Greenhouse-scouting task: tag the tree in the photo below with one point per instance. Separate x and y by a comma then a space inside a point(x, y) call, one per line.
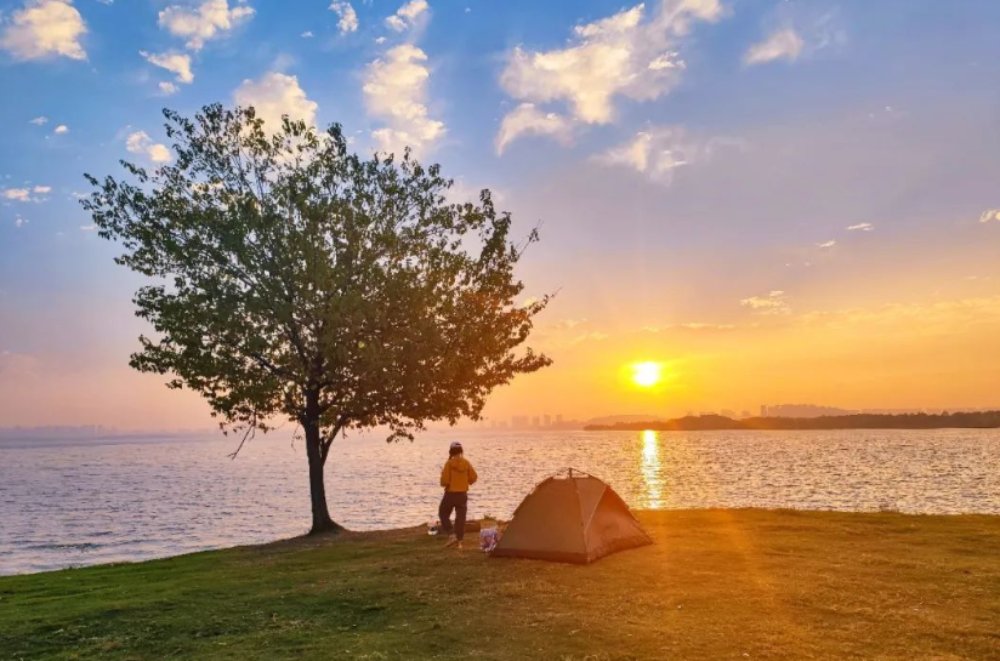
point(292, 279)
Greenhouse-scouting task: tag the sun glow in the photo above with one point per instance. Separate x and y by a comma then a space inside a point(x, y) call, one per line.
point(646, 374)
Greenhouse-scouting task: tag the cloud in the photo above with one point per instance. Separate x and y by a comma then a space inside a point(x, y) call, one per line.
point(527, 119)
point(276, 94)
point(140, 143)
point(655, 153)
point(45, 28)
point(348, 17)
point(20, 222)
point(16, 194)
point(168, 88)
point(863, 227)
point(624, 55)
point(88, 228)
point(27, 194)
point(659, 151)
point(827, 244)
point(407, 15)
point(61, 129)
point(395, 90)
point(204, 22)
point(784, 44)
point(307, 34)
point(176, 63)
point(990, 215)
point(39, 121)
point(773, 303)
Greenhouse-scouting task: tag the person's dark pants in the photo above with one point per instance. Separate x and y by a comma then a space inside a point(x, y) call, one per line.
point(458, 501)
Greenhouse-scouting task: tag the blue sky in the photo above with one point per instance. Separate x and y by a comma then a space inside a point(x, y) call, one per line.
point(686, 160)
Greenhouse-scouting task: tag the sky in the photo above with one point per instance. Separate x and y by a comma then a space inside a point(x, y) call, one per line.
point(778, 202)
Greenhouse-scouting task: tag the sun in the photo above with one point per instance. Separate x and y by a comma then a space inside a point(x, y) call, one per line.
point(646, 374)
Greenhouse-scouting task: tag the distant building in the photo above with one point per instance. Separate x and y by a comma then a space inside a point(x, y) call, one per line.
point(548, 420)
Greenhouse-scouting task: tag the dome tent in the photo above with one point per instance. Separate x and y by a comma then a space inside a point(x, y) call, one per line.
point(571, 517)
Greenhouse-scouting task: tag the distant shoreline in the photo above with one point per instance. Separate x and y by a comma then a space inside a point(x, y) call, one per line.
point(961, 420)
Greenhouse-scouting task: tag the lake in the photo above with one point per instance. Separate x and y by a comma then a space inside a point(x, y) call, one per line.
point(72, 503)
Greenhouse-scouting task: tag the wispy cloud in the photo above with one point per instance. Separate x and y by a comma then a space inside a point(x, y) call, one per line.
point(826, 244)
point(773, 303)
point(860, 227)
point(62, 129)
point(657, 152)
point(39, 121)
point(783, 44)
point(527, 119)
point(990, 215)
point(45, 28)
point(26, 194)
point(177, 63)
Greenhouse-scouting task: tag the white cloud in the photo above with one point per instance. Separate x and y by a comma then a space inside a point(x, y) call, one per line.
point(276, 94)
point(140, 143)
point(61, 129)
point(862, 227)
point(39, 121)
point(19, 222)
point(44, 28)
point(827, 244)
point(659, 151)
point(88, 228)
point(395, 90)
point(16, 194)
point(990, 215)
point(168, 88)
point(624, 55)
point(784, 44)
point(204, 22)
point(42, 190)
point(773, 303)
point(527, 119)
point(656, 153)
point(407, 15)
point(176, 63)
point(307, 34)
point(348, 17)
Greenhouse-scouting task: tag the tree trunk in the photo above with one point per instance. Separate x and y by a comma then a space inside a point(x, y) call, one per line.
point(321, 521)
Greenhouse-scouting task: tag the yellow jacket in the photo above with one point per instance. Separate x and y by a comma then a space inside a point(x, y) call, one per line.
point(458, 474)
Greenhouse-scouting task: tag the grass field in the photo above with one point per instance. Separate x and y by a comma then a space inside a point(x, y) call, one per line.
point(719, 584)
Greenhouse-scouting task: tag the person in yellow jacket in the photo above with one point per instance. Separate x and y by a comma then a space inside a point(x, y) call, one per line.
point(456, 478)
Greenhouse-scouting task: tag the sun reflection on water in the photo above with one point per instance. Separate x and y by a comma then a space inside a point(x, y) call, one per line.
point(651, 475)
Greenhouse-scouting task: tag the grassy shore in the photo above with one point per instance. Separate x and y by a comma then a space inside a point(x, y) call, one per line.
point(717, 584)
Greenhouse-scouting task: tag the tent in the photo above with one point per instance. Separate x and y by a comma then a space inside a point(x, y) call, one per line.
point(571, 517)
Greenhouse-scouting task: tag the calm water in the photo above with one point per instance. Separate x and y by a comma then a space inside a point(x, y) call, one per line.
point(79, 503)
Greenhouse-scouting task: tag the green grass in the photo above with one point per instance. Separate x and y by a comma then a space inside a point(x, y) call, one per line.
point(717, 584)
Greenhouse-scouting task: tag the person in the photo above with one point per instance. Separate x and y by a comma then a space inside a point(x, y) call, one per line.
point(456, 478)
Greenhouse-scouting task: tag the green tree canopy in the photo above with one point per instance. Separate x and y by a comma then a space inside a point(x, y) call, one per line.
point(291, 279)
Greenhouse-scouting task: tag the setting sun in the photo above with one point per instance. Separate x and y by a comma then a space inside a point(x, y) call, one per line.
point(646, 375)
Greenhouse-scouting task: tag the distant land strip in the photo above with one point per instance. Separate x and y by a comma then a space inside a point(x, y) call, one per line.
point(959, 420)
